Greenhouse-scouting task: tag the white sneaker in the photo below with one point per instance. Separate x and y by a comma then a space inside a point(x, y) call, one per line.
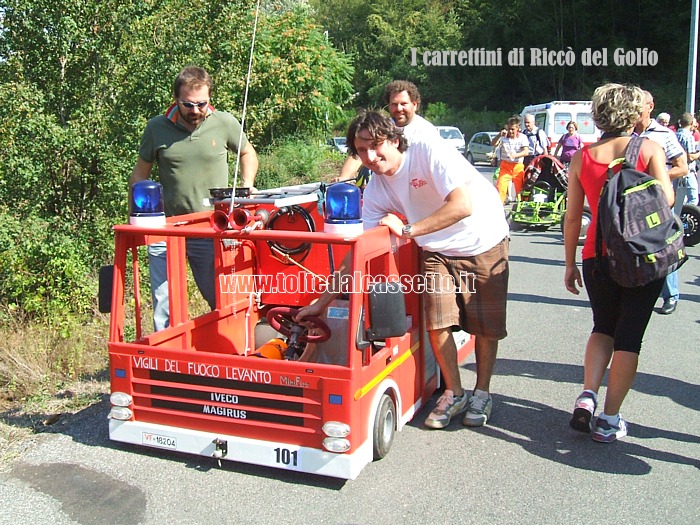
point(478, 412)
point(606, 432)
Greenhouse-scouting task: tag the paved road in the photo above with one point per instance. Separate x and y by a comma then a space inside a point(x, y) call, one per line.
point(525, 467)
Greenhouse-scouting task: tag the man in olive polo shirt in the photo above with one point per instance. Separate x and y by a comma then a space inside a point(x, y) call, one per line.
point(191, 144)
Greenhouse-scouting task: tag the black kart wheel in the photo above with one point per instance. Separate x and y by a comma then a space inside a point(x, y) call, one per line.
point(586, 221)
point(513, 225)
point(690, 217)
point(384, 427)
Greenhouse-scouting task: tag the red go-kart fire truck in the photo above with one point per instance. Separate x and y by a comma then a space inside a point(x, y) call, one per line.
point(244, 382)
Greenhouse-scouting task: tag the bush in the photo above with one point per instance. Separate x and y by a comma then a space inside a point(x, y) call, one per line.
point(342, 122)
point(467, 120)
point(45, 269)
point(296, 161)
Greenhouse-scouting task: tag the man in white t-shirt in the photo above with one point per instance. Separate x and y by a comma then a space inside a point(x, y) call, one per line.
point(403, 100)
point(456, 216)
point(677, 167)
point(538, 141)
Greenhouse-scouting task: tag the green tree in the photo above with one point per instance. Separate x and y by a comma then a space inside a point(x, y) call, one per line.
point(380, 36)
point(82, 77)
point(58, 58)
point(297, 82)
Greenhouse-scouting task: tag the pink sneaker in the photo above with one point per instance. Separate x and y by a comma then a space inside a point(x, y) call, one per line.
point(447, 407)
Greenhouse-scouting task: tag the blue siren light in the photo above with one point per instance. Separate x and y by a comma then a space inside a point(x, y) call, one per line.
point(147, 204)
point(343, 209)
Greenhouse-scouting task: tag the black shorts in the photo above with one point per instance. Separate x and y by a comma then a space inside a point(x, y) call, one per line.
point(619, 312)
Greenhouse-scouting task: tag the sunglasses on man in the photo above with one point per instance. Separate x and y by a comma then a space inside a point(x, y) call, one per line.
point(192, 105)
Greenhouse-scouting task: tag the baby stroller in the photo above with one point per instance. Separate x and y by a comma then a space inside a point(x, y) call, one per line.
point(542, 201)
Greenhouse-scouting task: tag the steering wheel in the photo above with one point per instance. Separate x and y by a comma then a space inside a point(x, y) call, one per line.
point(281, 319)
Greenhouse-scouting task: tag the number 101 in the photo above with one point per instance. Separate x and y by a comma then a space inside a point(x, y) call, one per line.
point(286, 456)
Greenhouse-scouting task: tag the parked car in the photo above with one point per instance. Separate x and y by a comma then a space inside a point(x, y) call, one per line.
point(452, 135)
point(479, 148)
point(338, 144)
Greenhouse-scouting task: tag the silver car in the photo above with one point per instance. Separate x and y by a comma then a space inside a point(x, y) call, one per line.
point(479, 148)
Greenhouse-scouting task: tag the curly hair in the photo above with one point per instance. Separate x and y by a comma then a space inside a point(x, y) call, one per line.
point(192, 77)
point(380, 128)
point(617, 107)
point(397, 86)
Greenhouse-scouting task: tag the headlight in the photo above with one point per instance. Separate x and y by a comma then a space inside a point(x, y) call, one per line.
point(120, 399)
point(334, 444)
point(336, 429)
point(121, 413)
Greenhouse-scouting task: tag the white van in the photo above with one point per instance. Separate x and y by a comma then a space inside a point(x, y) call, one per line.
point(553, 117)
point(454, 136)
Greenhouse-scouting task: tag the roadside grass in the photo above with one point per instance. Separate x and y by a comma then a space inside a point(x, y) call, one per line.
point(47, 372)
point(36, 357)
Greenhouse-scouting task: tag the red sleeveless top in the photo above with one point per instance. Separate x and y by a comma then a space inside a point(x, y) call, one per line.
point(593, 176)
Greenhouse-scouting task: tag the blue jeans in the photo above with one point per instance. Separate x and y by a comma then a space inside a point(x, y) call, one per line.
point(670, 289)
point(200, 255)
point(691, 188)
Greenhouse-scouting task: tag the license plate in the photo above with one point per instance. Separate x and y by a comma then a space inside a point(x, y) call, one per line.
point(156, 440)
